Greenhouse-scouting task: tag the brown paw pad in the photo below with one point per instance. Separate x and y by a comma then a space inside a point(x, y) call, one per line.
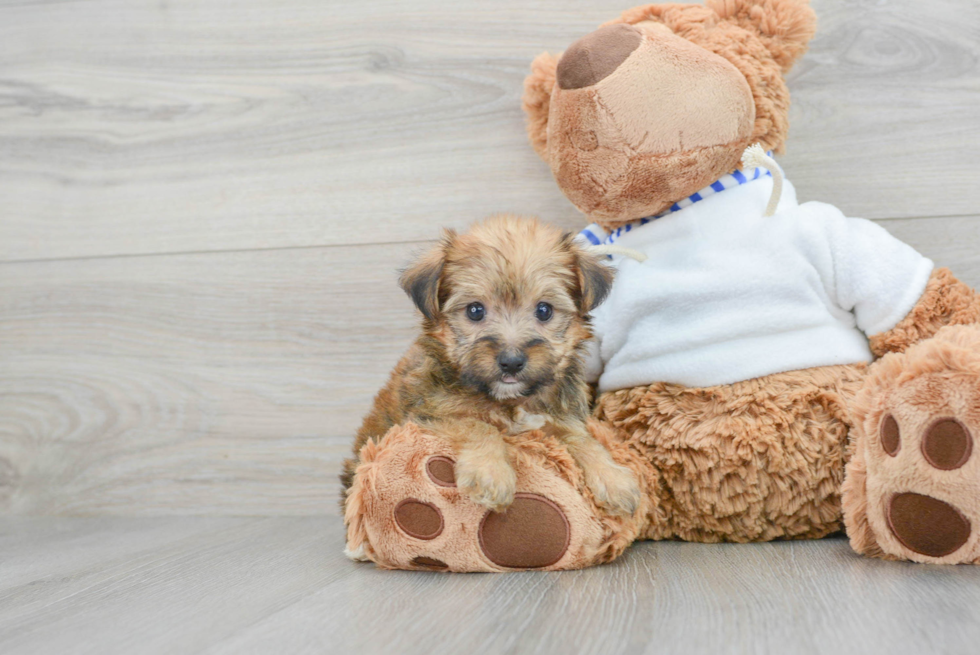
point(891, 438)
point(926, 525)
point(532, 533)
point(596, 56)
point(947, 444)
point(418, 519)
point(442, 471)
point(429, 563)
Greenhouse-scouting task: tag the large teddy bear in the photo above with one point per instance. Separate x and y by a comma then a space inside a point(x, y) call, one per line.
point(768, 369)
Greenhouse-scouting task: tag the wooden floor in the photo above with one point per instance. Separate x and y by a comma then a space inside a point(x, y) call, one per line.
point(280, 585)
point(203, 205)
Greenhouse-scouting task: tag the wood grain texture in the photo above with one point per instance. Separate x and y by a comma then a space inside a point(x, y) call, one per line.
point(204, 204)
point(280, 585)
point(222, 383)
point(160, 585)
point(187, 125)
point(949, 241)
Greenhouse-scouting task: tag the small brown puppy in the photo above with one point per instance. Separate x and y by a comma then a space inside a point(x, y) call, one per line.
point(505, 317)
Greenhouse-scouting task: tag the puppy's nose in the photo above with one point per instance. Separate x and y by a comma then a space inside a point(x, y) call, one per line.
point(511, 362)
point(595, 56)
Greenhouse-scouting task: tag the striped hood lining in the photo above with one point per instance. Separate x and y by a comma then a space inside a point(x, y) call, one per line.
point(597, 236)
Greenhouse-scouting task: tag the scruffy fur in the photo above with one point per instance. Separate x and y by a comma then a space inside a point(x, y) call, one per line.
point(451, 381)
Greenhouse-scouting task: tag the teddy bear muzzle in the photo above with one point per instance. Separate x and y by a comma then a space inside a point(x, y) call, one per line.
point(597, 55)
point(640, 117)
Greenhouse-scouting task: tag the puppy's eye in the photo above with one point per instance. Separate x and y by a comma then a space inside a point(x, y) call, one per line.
point(543, 312)
point(475, 311)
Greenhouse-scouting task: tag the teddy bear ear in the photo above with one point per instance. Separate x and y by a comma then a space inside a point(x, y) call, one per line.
point(537, 100)
point(785, 26)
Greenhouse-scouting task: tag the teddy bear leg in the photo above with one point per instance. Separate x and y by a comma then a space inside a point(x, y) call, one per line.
point(912, 486)
point(404, 511)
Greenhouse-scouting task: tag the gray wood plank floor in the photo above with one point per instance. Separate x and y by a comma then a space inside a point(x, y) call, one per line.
point(281, 585)
point(200, 125)
point(205, 204)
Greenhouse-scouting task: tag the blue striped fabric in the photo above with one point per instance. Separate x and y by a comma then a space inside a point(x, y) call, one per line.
point(597, 236)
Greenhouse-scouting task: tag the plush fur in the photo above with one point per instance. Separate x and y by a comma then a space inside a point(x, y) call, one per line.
point(394, 469)
point(758, 460)
point(752, 461)
point(453, 381)
point(946, 301)
point(937, 378)
point(886, 450)
point(537, 100)
point(762, 52)
point(605, 143)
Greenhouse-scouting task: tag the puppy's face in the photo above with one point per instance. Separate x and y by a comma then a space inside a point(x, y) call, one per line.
point(508, 301)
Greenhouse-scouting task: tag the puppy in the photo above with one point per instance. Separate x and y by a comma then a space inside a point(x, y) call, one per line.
point(505, 317)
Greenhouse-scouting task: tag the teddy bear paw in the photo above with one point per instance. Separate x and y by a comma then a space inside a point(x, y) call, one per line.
point(912, 489)
point(926, 488)
point(408, 509)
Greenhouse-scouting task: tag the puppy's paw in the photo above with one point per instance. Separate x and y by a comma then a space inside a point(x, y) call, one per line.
point(491, 483)
point(615, 488)
point(524, 422)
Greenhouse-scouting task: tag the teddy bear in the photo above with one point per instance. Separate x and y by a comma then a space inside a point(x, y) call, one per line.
point(768, 369)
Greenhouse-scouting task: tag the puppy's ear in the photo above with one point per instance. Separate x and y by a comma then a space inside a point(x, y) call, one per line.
point(594, 278)
point(421, 280)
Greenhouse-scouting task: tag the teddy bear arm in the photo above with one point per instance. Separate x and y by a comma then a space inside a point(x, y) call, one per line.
point(945, 301)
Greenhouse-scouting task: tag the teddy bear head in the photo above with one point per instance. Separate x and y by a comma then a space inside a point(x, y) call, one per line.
point(660, 103)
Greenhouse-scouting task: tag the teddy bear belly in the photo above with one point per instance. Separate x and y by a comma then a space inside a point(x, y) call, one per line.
point(752, 461)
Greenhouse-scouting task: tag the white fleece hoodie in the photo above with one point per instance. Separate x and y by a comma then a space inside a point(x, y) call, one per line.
point(727, 294)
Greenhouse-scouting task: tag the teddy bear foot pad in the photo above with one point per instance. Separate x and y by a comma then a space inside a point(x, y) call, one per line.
point(922, 466)
point(405, 512)
point(532, 533)
point(922, 523)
